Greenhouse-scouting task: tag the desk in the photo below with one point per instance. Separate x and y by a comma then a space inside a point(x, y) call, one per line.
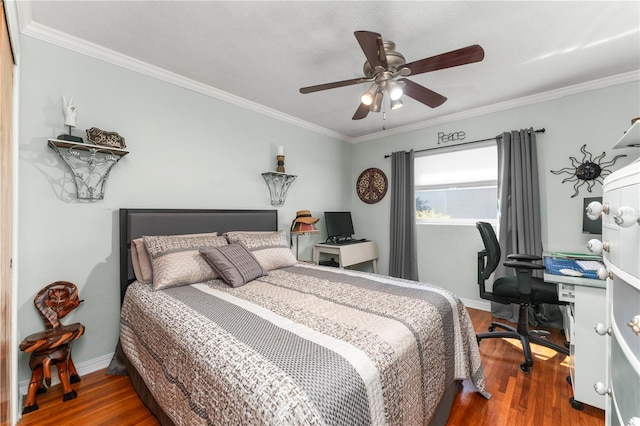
point(349, 254)
point(587, 308)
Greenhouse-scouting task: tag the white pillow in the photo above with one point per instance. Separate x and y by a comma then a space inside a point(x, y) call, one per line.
point(176, 259)
point(270, 248)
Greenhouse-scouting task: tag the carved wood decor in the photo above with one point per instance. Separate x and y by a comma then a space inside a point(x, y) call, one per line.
point(53, 346)
point(371, 185)
point(103, 138)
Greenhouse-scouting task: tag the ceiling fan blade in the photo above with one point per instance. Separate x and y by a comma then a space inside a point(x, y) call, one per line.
point(422, 94)
point(466, 55)
point(373, 48)
point(335, 84)
point(361, 112)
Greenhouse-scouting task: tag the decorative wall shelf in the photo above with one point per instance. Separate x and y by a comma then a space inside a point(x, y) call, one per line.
point(631, 138)
point(278, 184)
point(90, 165)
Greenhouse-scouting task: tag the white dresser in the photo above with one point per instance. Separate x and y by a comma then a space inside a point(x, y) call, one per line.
point(621, 236)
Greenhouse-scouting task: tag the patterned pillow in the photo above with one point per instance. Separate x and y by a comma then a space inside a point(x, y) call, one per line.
point(234, 263)
point(141, 261)
point(176, 259)
point(271, 249)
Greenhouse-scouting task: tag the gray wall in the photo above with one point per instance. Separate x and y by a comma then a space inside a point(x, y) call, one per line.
point(192, 151)
point(186, 151)
point(447, 254)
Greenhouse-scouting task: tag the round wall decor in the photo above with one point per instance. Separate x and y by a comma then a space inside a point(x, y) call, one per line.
point(371, 185)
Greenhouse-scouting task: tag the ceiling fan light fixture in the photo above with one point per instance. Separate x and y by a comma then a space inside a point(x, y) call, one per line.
point(368, 97)
point(395, 91)
point(377, 102)
point(387, 69)
point(396, 103)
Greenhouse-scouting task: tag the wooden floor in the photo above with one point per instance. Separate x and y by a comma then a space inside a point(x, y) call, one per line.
point(539, 398)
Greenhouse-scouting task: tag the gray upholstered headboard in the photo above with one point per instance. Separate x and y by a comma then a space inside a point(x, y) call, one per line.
point(134, 223)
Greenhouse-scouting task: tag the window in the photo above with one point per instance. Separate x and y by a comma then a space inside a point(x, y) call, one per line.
point(457, 185)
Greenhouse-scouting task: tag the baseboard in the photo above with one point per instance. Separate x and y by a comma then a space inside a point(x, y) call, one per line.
point(482, 305)
point(82, 368)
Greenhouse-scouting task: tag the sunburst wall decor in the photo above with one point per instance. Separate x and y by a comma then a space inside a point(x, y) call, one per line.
point(590, 170)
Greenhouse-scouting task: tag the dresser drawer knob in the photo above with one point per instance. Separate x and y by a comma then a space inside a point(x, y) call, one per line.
point(602, 329)
point(626, 217)
point(603, 274)
point(596, 246)
point(635, 325)
point(595, 209)
point(602, 389)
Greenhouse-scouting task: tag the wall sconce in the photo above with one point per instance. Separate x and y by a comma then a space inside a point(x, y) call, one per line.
point(278, 182)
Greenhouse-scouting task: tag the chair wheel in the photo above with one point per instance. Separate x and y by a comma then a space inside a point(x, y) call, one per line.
point(525, 367)
point(491, 328)
point(576, 404)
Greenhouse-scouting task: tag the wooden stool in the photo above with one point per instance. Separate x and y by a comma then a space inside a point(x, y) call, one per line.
point(53, 346)
point(48, 347)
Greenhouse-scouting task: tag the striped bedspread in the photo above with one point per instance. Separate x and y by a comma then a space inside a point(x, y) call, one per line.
point(305, 345)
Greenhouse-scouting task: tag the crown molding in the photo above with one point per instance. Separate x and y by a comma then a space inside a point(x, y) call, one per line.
point(506, 105)
point(59, 38)
point(84, 47)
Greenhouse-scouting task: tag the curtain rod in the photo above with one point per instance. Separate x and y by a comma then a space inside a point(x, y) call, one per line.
point(465, 143)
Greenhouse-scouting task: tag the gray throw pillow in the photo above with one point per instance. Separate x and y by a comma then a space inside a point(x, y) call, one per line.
point(234, 263)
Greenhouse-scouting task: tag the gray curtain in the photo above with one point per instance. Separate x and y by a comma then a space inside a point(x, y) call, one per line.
point(403, 257)
point(519, 229)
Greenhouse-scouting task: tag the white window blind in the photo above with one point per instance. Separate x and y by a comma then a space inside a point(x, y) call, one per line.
point(457, 185)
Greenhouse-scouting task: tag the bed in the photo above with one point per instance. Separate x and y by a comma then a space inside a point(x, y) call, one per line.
point(267, 340)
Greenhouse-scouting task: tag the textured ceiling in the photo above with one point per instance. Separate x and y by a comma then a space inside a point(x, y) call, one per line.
point(263, 52)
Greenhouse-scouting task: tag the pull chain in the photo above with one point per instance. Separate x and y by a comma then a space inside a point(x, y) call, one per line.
point(384, 117)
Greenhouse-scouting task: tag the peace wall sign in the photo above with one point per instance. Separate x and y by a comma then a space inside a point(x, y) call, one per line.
point(371, 185)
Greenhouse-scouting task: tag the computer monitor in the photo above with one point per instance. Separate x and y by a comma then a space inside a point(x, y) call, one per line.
point(591, 226)
point(339, 224)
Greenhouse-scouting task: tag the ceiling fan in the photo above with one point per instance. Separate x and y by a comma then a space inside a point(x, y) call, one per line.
point(386, 68)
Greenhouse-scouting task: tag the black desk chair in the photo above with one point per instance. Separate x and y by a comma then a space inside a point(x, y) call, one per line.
point(523, 289)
